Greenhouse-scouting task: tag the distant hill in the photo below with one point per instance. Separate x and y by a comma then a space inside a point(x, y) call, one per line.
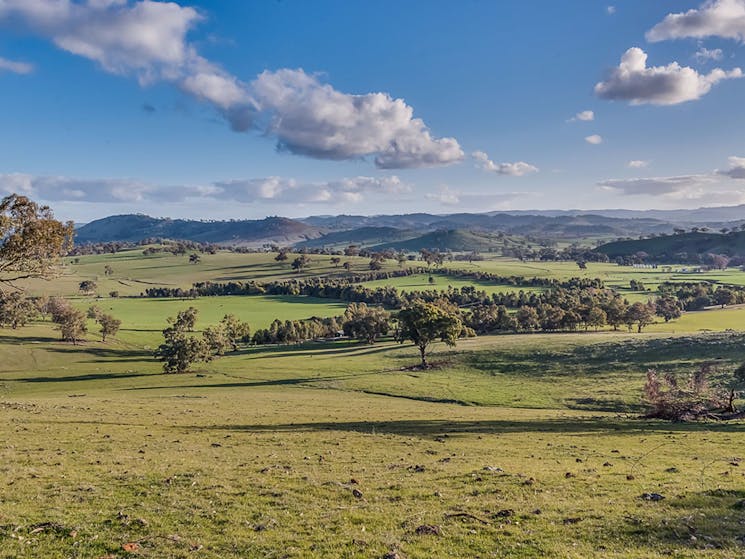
point(563, 226)
point(135, 227)
point(672, 247)
point(363, 236)
point(456, 240)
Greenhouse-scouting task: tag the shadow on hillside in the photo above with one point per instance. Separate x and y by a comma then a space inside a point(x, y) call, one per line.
point(21, 340)
point(435, 428)
point(668, 354)
point(91, 376)
point(246, 383)
point(317, 350)
point(101, 354)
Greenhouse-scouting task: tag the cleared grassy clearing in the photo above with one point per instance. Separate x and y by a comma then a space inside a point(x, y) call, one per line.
point(255, 456)
point(512, 446)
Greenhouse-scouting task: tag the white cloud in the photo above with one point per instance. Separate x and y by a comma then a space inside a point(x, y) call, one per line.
point(275, 190)
point(594, 139)
point(703, 55)
point(714, 18)
point(638, 164)
point(148, 40)
point(584, 116)
point(633, 81)
point(312, 118)
point(610, 10)
point(15, 66)
point(289, 191)
point(516, 169)
point(655, 186)
point(736, 168)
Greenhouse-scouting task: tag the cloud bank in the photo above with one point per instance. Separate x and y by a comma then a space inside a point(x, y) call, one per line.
point(275, 190)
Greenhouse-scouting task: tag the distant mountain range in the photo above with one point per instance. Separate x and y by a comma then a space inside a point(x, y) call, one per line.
point(460, 231)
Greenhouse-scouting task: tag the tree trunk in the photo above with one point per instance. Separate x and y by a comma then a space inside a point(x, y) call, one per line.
point(422, 352)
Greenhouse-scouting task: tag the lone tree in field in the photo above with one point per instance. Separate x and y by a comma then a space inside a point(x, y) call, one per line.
point(109, 325)
point(180, 350)
point(31, 240)
point(281, 256)
point(194, 258)
point(72, 325)
point(366, 323)
point(425, 323)
point(300, 263)
point(87, 286)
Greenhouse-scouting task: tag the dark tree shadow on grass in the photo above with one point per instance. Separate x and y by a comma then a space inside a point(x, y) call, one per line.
point(435, 428)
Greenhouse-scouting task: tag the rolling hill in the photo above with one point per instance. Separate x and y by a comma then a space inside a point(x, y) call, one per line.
point(680, 247)
point(135, 227)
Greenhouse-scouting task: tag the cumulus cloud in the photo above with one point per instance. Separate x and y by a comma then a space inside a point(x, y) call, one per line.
point(584, 116)
point(15, 66)
point(714, 18)
point(516, 169)
point(594, 139)
point(277, 190)
point(736, 168)
point(637, 164)
point(610, 10)
point(703, 55)
point(312, 118)
point(639, 84)
point(149, 40)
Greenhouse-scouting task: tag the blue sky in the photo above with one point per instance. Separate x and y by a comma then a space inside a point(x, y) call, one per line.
point(238, 109)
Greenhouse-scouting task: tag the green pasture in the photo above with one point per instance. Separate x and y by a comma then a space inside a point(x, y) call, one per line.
point(511, 446)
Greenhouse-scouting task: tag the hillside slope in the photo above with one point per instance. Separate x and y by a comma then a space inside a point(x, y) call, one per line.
point(679, 247)
point(137, 227)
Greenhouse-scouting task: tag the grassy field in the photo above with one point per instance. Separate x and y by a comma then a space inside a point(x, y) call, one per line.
point(519, 446)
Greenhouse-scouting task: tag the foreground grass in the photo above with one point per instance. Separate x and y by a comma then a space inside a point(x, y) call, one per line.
point(259, 454)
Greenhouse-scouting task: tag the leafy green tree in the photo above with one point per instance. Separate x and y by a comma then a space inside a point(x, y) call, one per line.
point(180, 350)
point(15, 309)
point(335, 260)
point(87, 286)
point(425, 323)
point(724, 297)
point(300, 263)
point(194, 258)
point(527, 318)
point(596, 318)
point(668, 308)
point(186, 319)
point(366, 323)
point(31, 240)
point(640, 314)
point(72, 325)
point(235, 330)
point(109, 326)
